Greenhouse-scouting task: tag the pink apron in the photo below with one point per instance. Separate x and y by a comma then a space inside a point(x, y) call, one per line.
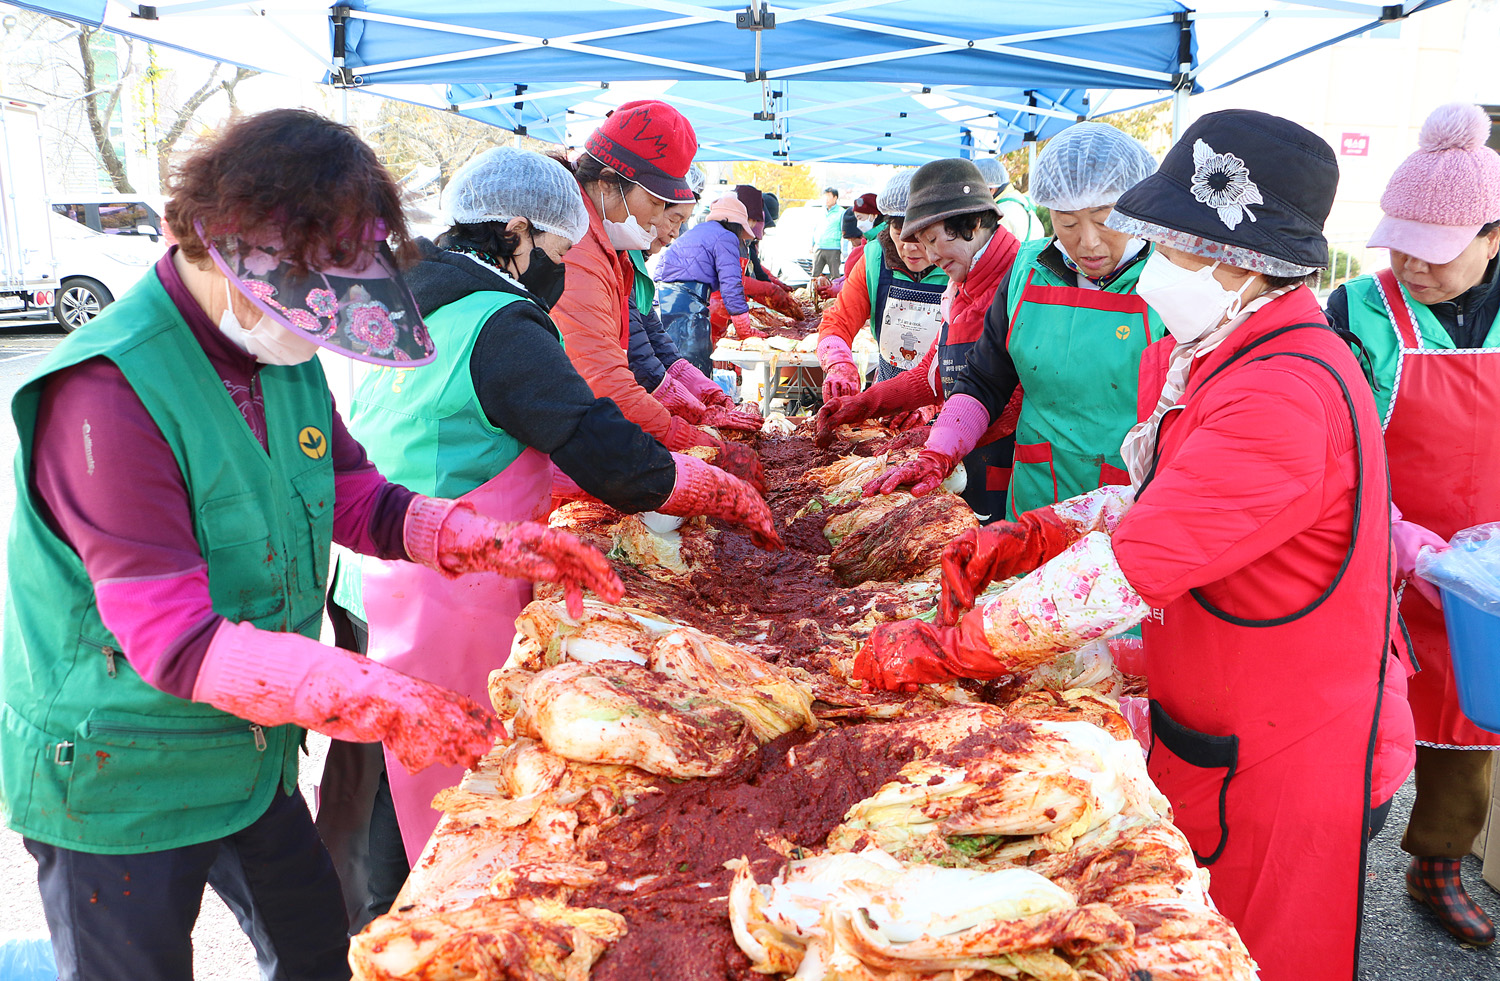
point(451, 632)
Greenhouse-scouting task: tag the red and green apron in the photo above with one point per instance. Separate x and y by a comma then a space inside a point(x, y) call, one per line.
point(1077, 353)
point(1444, 452)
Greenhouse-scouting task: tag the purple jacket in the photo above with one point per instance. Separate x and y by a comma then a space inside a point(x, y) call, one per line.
point(707, 253)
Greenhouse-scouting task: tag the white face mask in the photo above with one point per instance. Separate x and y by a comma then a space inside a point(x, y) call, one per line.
point(628, 235)
point(1190, 302)
point(865, 224)
point(267, 341)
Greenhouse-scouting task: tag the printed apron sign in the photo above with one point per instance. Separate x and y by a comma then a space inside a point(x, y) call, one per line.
point(908, 326)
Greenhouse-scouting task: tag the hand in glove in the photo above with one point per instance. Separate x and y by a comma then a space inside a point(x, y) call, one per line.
point(924, 474)
point(698, 384)
point(1009, 548)
point(742, 462)
point(741, 419)
point(1409, 538)
point(703, 489)
point(902, 421)
point(908, 390)
point(840, 377)
point(902, 655)
point(451, 537)
point(273, 679)
point(676, 399)
point(744, 326)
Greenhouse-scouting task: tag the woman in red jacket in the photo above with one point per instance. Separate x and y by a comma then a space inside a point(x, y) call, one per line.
point(1257, 550)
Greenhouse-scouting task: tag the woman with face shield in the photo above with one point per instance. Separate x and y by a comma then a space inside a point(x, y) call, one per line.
point(633, 167)
point(1441, 296)
point(895, 291)
point(1256, 550)
point(181, 478)
point(1068, 321)
point(493, 419)
point(951, 215)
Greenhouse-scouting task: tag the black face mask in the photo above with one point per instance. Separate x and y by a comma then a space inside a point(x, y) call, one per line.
point(543, 278)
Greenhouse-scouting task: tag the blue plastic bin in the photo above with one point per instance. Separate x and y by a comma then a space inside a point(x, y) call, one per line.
point(1474, 639)
point(27, 959)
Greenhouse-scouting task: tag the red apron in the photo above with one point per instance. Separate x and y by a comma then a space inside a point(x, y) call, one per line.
point(1444, 454)
point(1265, 731)
point(451, 632)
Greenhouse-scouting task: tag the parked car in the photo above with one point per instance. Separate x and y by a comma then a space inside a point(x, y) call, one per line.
point(787, 248)
point(95, 267)
point(113, 214)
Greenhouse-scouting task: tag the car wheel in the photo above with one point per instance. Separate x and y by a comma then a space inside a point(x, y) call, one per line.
point(79, 300)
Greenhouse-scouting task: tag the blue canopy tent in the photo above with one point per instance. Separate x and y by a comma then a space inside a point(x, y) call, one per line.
point(873, 81)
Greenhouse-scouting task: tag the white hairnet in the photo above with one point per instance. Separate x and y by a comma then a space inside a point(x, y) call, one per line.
point(995, 174)
point(696, 180)
point(892, 198)
point(506, 182)
point(1088, 165)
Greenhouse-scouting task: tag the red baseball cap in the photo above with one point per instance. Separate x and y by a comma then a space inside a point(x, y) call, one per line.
point(648, 143)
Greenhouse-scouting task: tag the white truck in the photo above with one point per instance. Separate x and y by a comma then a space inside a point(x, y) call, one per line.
point(28, 264)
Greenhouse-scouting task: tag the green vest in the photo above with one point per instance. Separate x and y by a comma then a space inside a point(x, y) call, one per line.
point(874, 262)
point(1079, 367)
point(1034, 229)
point(645, 286)
point(1371, 323)
point(93, 758)
point(424, 427)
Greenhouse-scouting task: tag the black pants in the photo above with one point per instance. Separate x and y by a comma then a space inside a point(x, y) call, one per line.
point(130, 917)
point(356, 815)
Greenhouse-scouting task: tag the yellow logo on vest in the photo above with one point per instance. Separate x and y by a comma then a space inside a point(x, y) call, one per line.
point(313, 442)
point(1122, 331)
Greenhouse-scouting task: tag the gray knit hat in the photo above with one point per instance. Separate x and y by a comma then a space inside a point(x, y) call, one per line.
point(942, 189)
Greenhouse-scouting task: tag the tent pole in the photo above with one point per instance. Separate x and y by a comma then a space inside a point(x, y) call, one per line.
point(1030, 162)
point(1179, 112)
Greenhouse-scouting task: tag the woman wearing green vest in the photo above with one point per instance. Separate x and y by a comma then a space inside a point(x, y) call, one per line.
point(181, 477)
point(1067, 327)
point(1430, 326)
point(894, 290)
point(495, 419)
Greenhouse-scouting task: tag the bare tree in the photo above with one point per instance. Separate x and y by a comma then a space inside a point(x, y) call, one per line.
point(409, 137)
point(167, 143)
point(100, 104)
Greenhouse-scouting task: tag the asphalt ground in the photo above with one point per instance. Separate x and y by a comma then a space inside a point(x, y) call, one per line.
point(1402, 941)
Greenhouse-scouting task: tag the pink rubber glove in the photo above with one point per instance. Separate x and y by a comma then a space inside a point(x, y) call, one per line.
point(1137, 712)
point(705, 489)
point(840, 377)
point(1409, 538)
point(676, 399)
point(699, 385)
point(454, 539)
point(954, 435)
point(273, 679)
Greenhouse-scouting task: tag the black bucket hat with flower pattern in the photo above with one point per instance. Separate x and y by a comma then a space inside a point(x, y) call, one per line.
point(365, 312)
point(1240, 187)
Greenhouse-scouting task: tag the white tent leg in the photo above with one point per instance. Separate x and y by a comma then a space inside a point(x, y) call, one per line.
point(1030, 163)
point(1179, 112)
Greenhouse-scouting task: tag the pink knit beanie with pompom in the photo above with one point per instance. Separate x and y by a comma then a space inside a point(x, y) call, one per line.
point(1440, 196)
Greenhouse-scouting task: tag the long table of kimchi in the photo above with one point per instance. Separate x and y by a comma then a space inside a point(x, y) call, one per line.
point(696, 790)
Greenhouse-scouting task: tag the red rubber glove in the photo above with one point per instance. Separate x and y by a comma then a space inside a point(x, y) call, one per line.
point(902, 421)
point(453, 538)
point(273, 678)
point(908, 390)
point(1011, 548)
point(740, 419)
point(742, 462)
point(902, 655)
point(840, 379)
point(676, 399)
point(681, 435)
point(744, 326)
point(924, 474)
point(703, 489)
